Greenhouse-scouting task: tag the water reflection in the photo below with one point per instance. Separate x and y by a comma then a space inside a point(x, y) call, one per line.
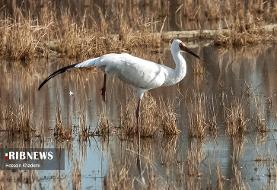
point(179, 162)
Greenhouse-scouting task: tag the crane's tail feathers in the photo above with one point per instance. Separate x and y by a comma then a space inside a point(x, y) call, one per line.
point(60, 71)
point(87, 63)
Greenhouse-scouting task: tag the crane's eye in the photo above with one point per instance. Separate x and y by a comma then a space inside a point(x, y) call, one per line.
point(181, 45)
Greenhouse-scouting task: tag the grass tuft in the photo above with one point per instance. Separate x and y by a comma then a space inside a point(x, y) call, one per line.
point(155, 116)
point(61, 132)
point(235, 118)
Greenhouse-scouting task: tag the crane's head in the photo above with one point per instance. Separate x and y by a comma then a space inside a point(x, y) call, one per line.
point(177, 45)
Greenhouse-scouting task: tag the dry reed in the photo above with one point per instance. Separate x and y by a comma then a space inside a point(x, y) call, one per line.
point(17, 121)
point(45, 29)
point(259, 116)
point(84, 130)
point(153, 116)
point(198, 69)
point(148, 117)
point(237, 39)
point(237, 182)
point(76, 176)
point(197, 116)
point(118, 178)
point(235, 118)
point(61, 132)
point(195, 156)
point(103, 126)
point(220, 178)
point(169, 151)
point(168, 118)
point(25, 37)
point(238, 147)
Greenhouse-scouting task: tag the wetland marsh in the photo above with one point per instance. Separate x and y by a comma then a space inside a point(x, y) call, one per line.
point(216, 129)
point(237, 88)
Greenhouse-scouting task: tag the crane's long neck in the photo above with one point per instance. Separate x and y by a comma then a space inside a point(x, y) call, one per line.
point(180, 70)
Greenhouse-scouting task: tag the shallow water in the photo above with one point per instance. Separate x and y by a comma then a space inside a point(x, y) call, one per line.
point(247, 75)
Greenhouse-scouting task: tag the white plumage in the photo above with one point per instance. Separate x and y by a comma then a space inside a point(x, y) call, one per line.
point(142, 74)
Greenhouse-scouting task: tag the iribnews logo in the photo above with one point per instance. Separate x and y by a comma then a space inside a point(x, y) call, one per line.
point(25, 155)
point(32, 158)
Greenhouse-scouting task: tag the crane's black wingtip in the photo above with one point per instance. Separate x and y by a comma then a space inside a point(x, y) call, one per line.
point(46, 80)
point(41, 85)
point(61, 70)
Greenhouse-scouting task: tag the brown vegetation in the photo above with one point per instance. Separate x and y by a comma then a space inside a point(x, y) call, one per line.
point(235, 118)
point(84, 130)
point(61, 132)
point(194, 158)
point(25, 36)
point(17, 121)
point(155, 116)
point(197, 116)
point(220, 178)
point(52, 29)
point(238, 37)
point(260, 123)
point(118, 178)
point(202, 115)
point(76, 175)
point(237, 181)
point(103, 127)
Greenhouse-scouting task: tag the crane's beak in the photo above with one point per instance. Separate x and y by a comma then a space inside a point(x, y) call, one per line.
point(184, 48)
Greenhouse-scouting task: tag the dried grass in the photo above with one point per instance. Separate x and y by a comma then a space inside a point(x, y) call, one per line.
point(25, 37)
point(259, 117)
point(237, 39)
point(235, 118)
point(76, 176)
point(22, 39)
point(46, 29)
point(61, 132)
point(238, 147)
point(118, 178)
point(17, 121)
point(85, 131)
point(148, 117)
point(237, 182)
point(153, 116)
point(168, 118)
point(103, 128)
point(197, 116)
point(198, 69)
point(220, 178)
point(169, 151)
point(194, 158)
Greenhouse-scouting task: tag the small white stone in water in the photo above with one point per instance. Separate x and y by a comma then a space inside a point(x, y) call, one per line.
point(71, 93)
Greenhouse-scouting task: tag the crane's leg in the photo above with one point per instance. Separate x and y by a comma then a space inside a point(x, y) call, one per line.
point(138, 131)
point(103, 90)
point(138, 115)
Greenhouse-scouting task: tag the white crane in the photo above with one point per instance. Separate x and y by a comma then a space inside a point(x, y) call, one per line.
point(142, 74)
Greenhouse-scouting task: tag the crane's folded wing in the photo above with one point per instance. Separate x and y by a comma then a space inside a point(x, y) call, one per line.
point(135, 71)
